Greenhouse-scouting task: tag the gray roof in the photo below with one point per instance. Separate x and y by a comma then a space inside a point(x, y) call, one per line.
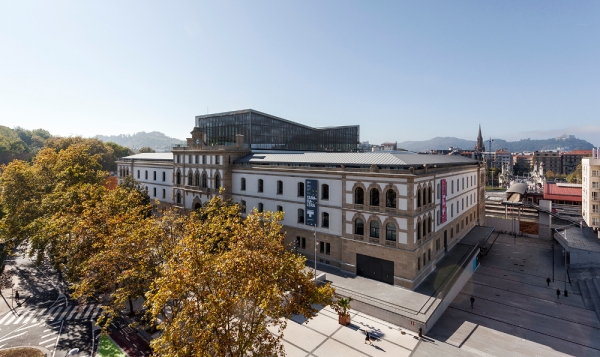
point(388, 158)
point(580, 238)
point(151, 156)
point(518, 188)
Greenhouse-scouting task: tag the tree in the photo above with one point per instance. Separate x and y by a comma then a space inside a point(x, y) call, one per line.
point(575, 176)
point(227, 280)
point(145, 149)
point(118, 152)
point(103, 153)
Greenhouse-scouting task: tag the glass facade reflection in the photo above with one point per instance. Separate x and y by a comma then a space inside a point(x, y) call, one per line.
point(263, 131)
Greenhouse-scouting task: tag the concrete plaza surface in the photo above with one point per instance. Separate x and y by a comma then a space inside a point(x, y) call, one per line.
point(515, 312)
point(324, 336)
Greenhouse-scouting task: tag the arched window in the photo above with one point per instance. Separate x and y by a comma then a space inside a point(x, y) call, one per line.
point(178, 178)
point(374, 229)
point(197, 179)
point(279, 187)
point(178, 198)
point(279, 208)
point(260, 185)
point(325, 220)
point(204, 180)
point(390, 198)
point(424, 227)
point(217, 182)
point(430, 194)
point(419, 197)
point(190, 178)
point(359, 227)
point(300, 189)
point(359, 196)
point(418, 230)
point(429, 225)
point(243, 184)
point(374, 197)
point(390, 232)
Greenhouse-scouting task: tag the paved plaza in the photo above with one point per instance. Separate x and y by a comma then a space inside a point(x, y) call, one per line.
point(515, 312)
point(323, 336)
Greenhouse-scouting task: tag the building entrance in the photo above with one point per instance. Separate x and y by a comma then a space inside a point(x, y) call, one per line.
point(375, 268)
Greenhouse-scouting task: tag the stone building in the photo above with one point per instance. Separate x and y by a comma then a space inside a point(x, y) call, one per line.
point(388, 216)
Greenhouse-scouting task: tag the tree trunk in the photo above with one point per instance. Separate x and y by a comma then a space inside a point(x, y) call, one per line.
point(131, 312)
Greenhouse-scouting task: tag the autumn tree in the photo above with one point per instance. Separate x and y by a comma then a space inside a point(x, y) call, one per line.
point(575, 176)
point(228, 283)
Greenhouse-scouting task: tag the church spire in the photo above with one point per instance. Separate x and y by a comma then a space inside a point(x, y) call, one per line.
point(479, 146)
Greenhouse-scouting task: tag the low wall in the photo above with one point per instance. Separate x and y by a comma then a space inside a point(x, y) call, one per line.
point(501, 224)
point(456, 288)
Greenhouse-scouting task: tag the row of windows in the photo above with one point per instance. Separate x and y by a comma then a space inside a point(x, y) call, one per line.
point(260, 208)
point(198, 180)
point(390, 229)
point(195, 159)
point(458, 185)
point(390, 197)
point(468, 200)
point(164, 175)
point(164, 192)
point(279, 188)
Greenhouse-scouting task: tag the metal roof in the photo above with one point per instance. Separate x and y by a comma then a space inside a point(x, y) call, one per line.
point(151, 156)
point(387, 158)
point(518, 188)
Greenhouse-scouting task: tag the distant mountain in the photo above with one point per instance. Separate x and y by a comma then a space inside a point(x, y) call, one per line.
point(438, 143)
point(155, 140)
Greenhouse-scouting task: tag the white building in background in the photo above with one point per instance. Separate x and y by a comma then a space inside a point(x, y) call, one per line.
point(590, 177)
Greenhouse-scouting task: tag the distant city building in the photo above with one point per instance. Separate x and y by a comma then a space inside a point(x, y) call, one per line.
point(522, 163)
point(570, 160)
point(550, 159)
point(389, 146)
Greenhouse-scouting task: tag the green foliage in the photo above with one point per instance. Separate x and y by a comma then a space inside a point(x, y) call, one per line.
point(575, 176)
point(145, 149)
point(342, 306)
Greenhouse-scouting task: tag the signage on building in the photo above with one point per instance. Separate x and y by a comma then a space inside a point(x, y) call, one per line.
point(443, 201)
point(311, 203)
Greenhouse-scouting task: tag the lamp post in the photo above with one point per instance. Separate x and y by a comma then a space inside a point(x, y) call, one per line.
point(552, 250)
point(315, 231)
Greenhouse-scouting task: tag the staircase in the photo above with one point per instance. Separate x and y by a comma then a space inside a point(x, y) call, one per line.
point(588, 284)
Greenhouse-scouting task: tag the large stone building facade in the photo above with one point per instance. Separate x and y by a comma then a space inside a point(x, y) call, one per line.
point(387, 216)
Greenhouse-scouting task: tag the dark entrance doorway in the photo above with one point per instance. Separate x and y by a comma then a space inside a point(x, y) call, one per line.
point(375, 268)
point(197, 206)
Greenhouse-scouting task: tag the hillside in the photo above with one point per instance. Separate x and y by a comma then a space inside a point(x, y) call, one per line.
point(156, 140)
point(440, 143)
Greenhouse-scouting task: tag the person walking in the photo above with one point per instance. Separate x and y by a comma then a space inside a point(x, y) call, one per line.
point(420, 332)
point(558, 293)
point(548, 281)
point(17, 295)
point(368, 337)
point(472, 301)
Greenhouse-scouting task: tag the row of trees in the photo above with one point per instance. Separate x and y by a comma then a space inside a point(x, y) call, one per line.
point(216, 283)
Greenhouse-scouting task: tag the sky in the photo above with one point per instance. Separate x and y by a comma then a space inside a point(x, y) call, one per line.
point(401, 70)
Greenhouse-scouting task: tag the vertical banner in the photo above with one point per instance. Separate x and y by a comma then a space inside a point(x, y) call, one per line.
point(311, 209)
point(443, 200)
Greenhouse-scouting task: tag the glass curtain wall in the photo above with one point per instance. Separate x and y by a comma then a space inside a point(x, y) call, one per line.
point(269, 133)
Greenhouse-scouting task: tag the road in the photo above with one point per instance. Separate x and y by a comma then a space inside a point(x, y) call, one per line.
point(45, 318)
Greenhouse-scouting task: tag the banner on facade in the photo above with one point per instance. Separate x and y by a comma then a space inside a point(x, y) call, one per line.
point(311, 209)
point(443, 182)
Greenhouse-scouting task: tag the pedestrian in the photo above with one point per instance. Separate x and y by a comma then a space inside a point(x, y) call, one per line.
point(420, 332)
point(17, 295)
point(368, 337)
point(472, 301)
point(558, 293)
point(548, 281)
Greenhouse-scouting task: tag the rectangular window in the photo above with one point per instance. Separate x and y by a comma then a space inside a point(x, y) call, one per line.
point(303, 243)
point(424, 259)
point(595, 208)
point(300, 189)
point(325, 220)
point(243, 206)
point(595, 184)
point(463, 183)
point(462, 205)
point(164, 176)
point(321, 247)
point(429, 254)
point(164, 193)
point(196, 160)
point(437, 245)
point(154, 192)
point(419, 263)
point(300, 215)
point(452, 210)
point(279, 208)
point(327, 248)
point(218, 160)
point(189, 159)
point(260, 207)
point(324, 192)
point(595, 221)
point(243, 184)
point(178, 159)
point(204, 159)
point(279, 187)
point(260, 185)
point(297, 242)
point(138, 173)
point(154, 176)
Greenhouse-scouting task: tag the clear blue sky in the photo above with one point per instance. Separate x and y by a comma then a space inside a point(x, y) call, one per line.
point(401, 70)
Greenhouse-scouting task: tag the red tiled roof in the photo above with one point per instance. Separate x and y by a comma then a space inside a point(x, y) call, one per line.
point(553, 191)
point(579, 152)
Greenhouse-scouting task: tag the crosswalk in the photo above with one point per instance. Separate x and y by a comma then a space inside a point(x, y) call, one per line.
point(54, 313)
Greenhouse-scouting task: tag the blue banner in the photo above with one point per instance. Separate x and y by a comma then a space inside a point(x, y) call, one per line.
point(311, 203)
